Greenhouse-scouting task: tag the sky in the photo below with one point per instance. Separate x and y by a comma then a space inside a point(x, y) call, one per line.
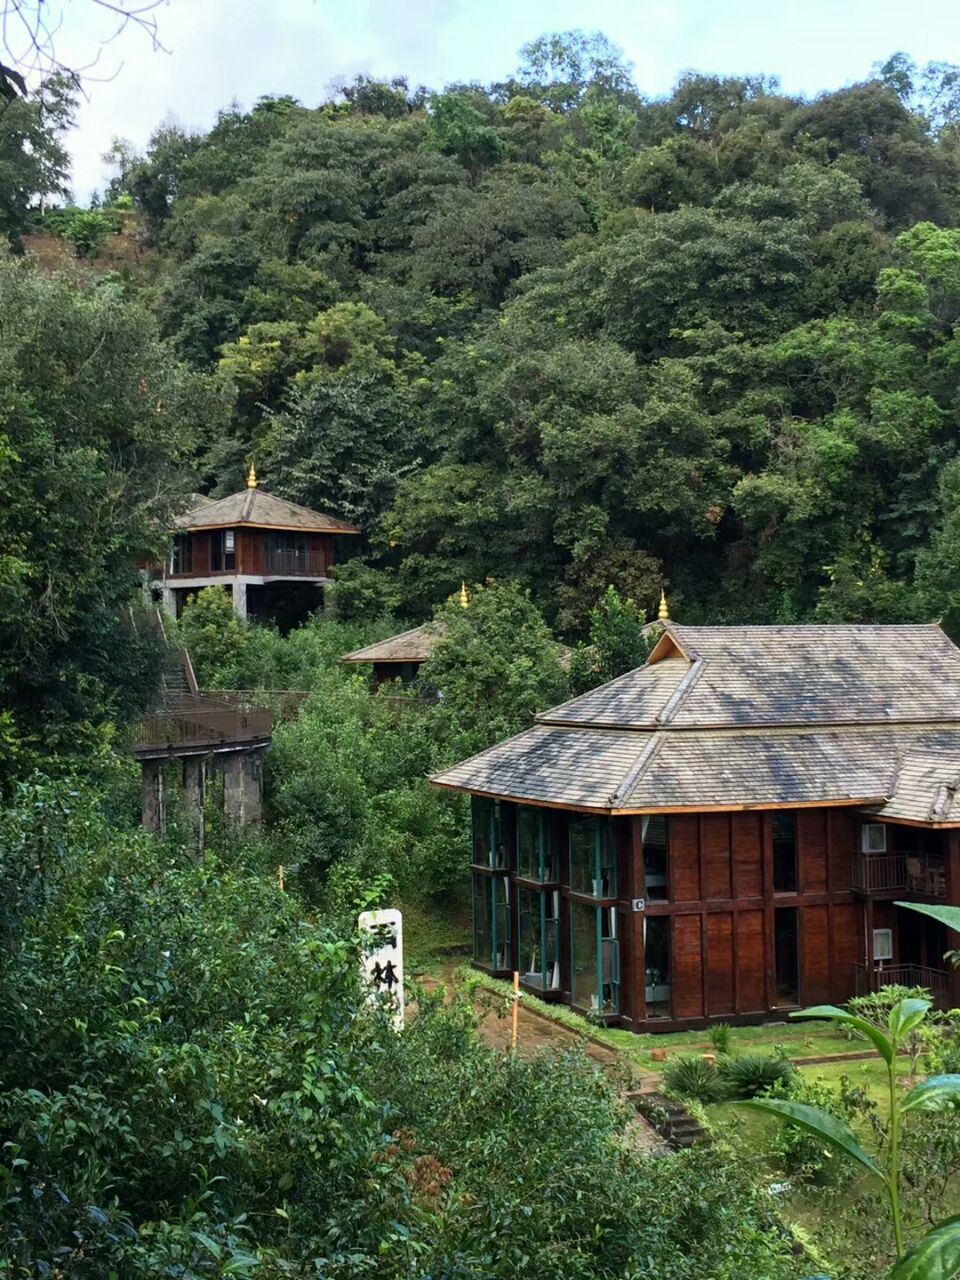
point(217, 51)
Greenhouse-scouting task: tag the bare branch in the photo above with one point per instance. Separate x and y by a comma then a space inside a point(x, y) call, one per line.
point(28, 40)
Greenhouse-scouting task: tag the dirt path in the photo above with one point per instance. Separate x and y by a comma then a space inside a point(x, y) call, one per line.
point(534, 1033)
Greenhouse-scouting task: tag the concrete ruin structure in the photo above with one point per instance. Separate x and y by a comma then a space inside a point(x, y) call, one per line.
point(194, 746)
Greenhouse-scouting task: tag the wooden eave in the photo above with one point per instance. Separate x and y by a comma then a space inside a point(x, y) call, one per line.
point(251, 524)
point(612, 811)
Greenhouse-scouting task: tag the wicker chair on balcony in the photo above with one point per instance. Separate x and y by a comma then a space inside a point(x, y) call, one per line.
point(916, 875)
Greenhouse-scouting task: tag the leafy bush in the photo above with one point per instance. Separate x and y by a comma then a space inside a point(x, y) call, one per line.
point(721, 1037)
point(192, 1087)
point(689, 1076)
point(804, 1156)
point(750, 1074)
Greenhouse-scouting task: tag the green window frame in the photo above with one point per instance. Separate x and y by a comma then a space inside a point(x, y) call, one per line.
point(594, 958)
point(489, 846)
point(539, 938)
point(492, 941)
point(593, 858)
point(537, 854)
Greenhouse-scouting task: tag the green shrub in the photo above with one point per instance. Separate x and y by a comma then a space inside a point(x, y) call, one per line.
point(804, 1156)
point(689, 1076)
point(753, 1073)
point(721, 1036)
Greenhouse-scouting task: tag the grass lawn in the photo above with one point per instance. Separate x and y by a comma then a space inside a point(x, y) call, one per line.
point(432, 940)
point(799, 1039)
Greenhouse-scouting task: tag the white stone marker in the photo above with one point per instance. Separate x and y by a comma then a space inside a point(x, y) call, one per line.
point(383, 961)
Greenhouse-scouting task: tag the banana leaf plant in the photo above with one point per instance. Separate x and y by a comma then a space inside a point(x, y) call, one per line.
point(936, 1256)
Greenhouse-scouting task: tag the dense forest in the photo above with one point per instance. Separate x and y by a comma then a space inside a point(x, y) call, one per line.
point(549, 337)
point(552, 331)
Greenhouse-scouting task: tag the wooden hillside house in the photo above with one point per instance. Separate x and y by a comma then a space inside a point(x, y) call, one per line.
point(260, 547)
point(723, 833)
point(398, 657)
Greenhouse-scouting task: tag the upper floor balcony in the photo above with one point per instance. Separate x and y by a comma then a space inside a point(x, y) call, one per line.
point(923, 874)
point(295, 562)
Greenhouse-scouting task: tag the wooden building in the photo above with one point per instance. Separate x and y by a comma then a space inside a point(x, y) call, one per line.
point(723, 833)
point(398, 657)
point(260, 547)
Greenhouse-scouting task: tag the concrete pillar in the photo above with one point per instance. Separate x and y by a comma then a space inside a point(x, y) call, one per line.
point(253, 787)
point(170, 600)
point(194, 801)
point(232, 763)
point(154, 805)
point(243, 787)
point(239, 592)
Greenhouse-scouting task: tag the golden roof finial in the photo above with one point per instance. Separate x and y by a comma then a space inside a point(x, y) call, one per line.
point(252, 477)
point(663, 613)
point(464, 595)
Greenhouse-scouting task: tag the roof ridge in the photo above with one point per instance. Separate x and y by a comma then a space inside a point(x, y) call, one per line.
point(681, 692)
point(637, 769)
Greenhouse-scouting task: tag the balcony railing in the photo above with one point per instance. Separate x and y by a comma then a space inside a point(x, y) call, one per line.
point(920, 873)
point(293, 562)
point(936, 981)
point(197, 721)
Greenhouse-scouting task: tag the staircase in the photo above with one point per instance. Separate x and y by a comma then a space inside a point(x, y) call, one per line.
point(670, 1119)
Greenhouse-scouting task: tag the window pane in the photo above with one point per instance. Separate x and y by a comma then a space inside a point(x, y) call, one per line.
point(583, 854)
point(610, 961)
point(593, 857)
point(528, 843)
point(583, 955)
point(482, 812)
point(654, 834)
point(500, 886)
point(787, 960)
point(539, 926)
point(784, 851)
point(482, 920)
point(656, 932)
point(491, 921)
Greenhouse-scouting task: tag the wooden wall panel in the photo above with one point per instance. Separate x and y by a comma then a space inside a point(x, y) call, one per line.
point(715, 853)
point(815, 977)
point(812, 850)
point(751, 962)
point(329, 547)
point(684, 857)
point(842, 825)
point(687, 976)
point(747, 841)
point(846, 947)
point(720, 985)
point(252, 550)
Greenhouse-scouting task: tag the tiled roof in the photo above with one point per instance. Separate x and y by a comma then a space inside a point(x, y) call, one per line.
point(415, 645)
point(633, 700)
point(262, 509)
point(818, 675)
point(926, 786)
point(745, 717)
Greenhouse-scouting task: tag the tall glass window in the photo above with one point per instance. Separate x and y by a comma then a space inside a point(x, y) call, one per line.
point(656, 937)
point(540, 938)
point(595, 958)
point(491, 887)
point(655, 872)
point(537, 854)
point(784, 851)
point(489, 846)
point(593, 863)
point(786, 951)
point(491, 922)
